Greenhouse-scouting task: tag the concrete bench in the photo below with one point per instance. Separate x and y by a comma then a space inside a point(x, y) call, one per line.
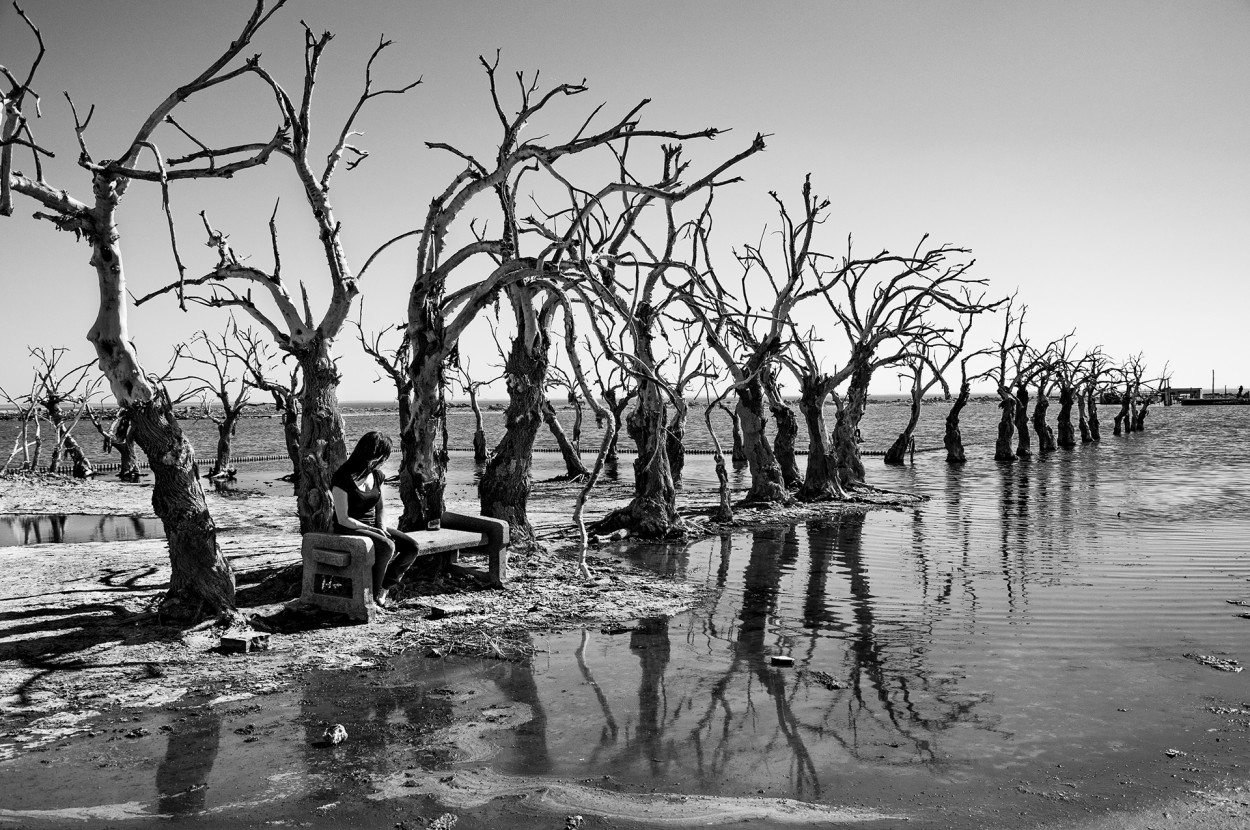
point(340, 571)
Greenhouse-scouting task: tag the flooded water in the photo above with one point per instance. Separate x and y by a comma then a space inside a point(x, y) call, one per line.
point(60, 528)
point(1036, 643)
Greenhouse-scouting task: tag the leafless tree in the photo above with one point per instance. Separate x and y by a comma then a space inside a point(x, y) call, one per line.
point(935, 352)
point(952, 438)
point(264, 370)
point(472, 387)
point(884, 319)
point(438, 317)
point(1066, 367)
point(1010, 349)
point(295, 328)
point(30, 435)
point(201, 580)
point(210, 367)
point(118, 436)
point(574, 469)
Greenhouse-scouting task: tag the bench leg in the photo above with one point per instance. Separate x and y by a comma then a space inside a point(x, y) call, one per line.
point(497, 535)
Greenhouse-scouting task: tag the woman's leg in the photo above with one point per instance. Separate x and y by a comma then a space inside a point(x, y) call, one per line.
point(383, 553)
point(406, 552)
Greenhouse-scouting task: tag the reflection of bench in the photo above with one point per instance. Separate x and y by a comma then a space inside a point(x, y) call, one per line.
point(340, 571)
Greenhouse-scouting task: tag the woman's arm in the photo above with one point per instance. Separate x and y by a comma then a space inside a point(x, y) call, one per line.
point(339, 496)
point(379, 512)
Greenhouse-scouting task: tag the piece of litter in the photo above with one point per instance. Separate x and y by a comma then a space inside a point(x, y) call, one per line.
point(781, 660)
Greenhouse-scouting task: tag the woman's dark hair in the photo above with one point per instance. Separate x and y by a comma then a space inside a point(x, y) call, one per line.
point(370, 446)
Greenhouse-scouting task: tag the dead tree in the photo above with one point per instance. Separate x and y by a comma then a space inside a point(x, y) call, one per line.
point(393, 361)
point(62, 395)
point(26, 410)
point(628, 258)
point(749, 341)
point(1066, 367)
point(1010, 350)
point(210, 368)
point(820, 479)
point(1095, 367)
point(787, 430)
point(464, 377)
point(295, 329)
point(574, 469)
point(738, 453)
point(617, 390)
point(119, 437)
point(1044, 374)
point(260, 362)
point(935, 351)
point(884, 319)
point(952, 438)
point(1131, 371)
point(437, 317)
point(201, 581)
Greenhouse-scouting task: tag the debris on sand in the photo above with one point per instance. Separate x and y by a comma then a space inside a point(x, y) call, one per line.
point(1216, 662)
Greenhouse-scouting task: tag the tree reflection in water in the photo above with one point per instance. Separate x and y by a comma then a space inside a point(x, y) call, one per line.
point(191, 751)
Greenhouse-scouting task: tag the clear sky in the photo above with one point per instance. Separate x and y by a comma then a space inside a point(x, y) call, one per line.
point(1093, 155)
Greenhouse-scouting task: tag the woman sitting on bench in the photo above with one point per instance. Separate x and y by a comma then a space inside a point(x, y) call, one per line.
point(356, 487)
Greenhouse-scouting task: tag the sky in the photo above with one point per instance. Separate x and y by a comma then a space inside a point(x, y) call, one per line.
point(1092, 155)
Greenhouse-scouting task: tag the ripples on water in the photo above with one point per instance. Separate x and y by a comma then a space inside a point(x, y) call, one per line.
point(1027, 617)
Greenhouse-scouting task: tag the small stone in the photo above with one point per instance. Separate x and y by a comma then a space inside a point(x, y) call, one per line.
point(335, 735)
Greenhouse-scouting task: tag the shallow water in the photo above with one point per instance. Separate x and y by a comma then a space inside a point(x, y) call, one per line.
point(60, 528)
point(1019, 648)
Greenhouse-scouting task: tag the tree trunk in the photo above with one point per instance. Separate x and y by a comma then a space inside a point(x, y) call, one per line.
point(1122, 421)
point(290, 433)
point(201, 582)
point(479, 434)
point(504, 487)
point(1045, 435)
point(846, 429)
point(322, 445)
point(1022, 423)
point(737, 455)
point(618, 407)
point(1067, 435)
point(573, 466)
point(225, 436)
point(1092, 401)
point(953, 439)
point(1139, 420)
point(897, 453)
point(652, 513)
point(422, 475)
point(783, 444)
point(1006, 427)
point(576, 438)
point(675, 442)
point(820, 482)
point(1082, 421)
point(766, 483)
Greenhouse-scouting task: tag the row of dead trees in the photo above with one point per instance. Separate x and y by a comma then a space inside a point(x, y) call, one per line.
point(594, 243)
